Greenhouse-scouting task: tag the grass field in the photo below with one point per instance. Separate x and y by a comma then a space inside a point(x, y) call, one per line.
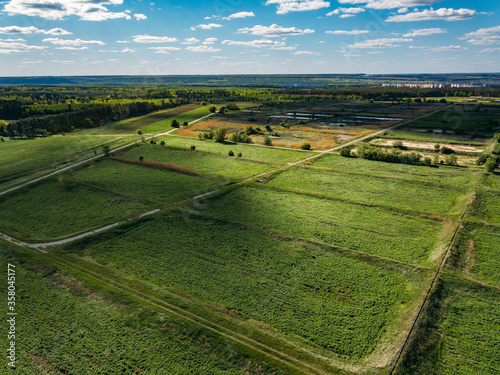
point(83, 331)
point(459, 334)
point(371, 230)
point(50, 210)
point(229, 168)
point(250, 152)
point(21, 156)
point(288, 286)
point(378, 191)
point(151, 123)
point(148, 185)
point(437, 136)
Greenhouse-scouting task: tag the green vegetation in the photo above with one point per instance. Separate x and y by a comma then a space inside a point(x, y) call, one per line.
point(52, 210)
point(84, 331)
point(357, 227)
point(291, 287)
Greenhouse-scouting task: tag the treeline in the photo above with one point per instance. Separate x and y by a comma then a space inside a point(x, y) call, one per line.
point(88, 118)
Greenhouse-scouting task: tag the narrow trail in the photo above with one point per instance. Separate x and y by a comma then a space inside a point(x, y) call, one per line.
point(194, 318)
point(433, 284)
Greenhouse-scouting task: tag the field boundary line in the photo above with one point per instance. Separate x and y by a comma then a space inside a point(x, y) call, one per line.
point(433, 284)
point(192, 317)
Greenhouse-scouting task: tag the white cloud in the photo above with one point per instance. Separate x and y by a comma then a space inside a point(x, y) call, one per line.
point(381, 43)
point(258, 43)
point(403, 10)
point(484, 37)
point(140, 17)
point(346, 15)
point(274, 31)
point(391, 4)
point(69, 48)
point(206, 26)
point(73, 42)
point(346, 32)
point(445, 14)
point(153, 39)
point(240, 15)
point(87, 10)
point(63, 61)
point(298, 53)
point(203, 49)
point(209, 41)
point(490, 50)
point(424, 32)
point(126, 49)
point(164, 49)
point(350, 11)
point(8, 46)
point(447, 49)
point(287, 6)
point(31, 30)
point(190, 41)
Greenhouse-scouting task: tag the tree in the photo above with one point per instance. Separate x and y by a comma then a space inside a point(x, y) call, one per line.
point(451, 159)
point(269, 129)
point(240, 155)
point(222, 110)
point(435, 160)
point(346, 152)
point(490, 165)
point(267, 141)
point(447, 151)
point(105, 149)
point(185, 123)
point(174, 123)
point(399, 144)
point(212, 109)
point(2, 139)
point(220, 135)
point(193, 148)
point(437, 147)
point(305, 146)
point(231, 153)
point(162, 143)
point(141, 158)
point(139, 131)
point(427, 161)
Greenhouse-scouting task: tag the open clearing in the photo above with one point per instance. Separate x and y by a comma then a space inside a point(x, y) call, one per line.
point(428, 146)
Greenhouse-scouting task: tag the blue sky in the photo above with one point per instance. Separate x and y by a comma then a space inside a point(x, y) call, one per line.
point(103, 37)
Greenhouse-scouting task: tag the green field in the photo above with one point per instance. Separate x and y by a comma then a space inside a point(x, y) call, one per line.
point(250, 152)
point(148, 185)
point(459, 334)
point(49, 210)
point(294, 288)
point(390, 192)
point(68, 328)
point(229, 168)
point(20, 156)
point(372, 230)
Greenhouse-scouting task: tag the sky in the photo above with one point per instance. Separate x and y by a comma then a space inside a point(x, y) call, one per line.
point(148, 37)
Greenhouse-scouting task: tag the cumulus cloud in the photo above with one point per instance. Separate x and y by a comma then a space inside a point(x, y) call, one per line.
point(140, 17)
point(258, 43)
point(209, 41)
point(8, 46)
point(424, 32)
point(32, 30)
point(206, 26)
point(381, 43)
point(287, 6)
point(153, 39)
point(350, 11)
point(484, 37)
point(202, 49)
point(240, 15)
point(347, 32)
point(127, 50)
point(299, 53)
point(190, 41)
point(445, 14)
point(87, 10)
point(490, 50)
point(391, 4)
point(73, 42)
point(274, 31)
point(69, 48)
point(165, 50)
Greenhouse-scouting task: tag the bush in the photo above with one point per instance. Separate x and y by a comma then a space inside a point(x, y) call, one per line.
point(204, 104)
point(240, 155)
point(2, 139)
point(231, 153)
point(220, 135)
point(139, 131)
point(162, 143)
point(490, 165)
point(185, 123)
point(427, 161)
point(399, 144)
point(447, 151)
point(269, 129)
point(437, 147)
point(201, 135)
point(240, 137)
point(305, 146)
point(346, 152)
point(153, 142)
point(141, 158)
point(174, 123)
point(267, 141)
point(232, 106)
point(451, 159)
point(193, 148)
point(212, 109)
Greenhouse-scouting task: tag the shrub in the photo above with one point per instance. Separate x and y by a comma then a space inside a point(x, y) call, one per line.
point(490, 165)
point(346, 152)
point(105, 148)
point(451, 159)
point(219, 135)
point(141, 158)
point(230, 153)
point(250, 130)
point(240, 155)
point(267, 141)
point(2, 139)
point(232, 106)
point(185, 123)
point(212, 109)
point(162, 143)
point(193, 148)
point(427, 161)
point(399, 144)
point(201, 135)
point(153, 142)
point(305, 146)
point(437, 147)
point(204, 103)
point(269, 129)
point(139, 131)
point(174, 123)
point(447, 151)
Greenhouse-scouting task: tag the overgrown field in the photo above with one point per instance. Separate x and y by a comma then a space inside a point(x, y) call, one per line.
point(20, 156)
point(51, 210)
point(67, 327)
point(390, 192)
point(148, 185)
point(459, 333)
point(289, 286)
point(228, 167)
point(372, 230)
